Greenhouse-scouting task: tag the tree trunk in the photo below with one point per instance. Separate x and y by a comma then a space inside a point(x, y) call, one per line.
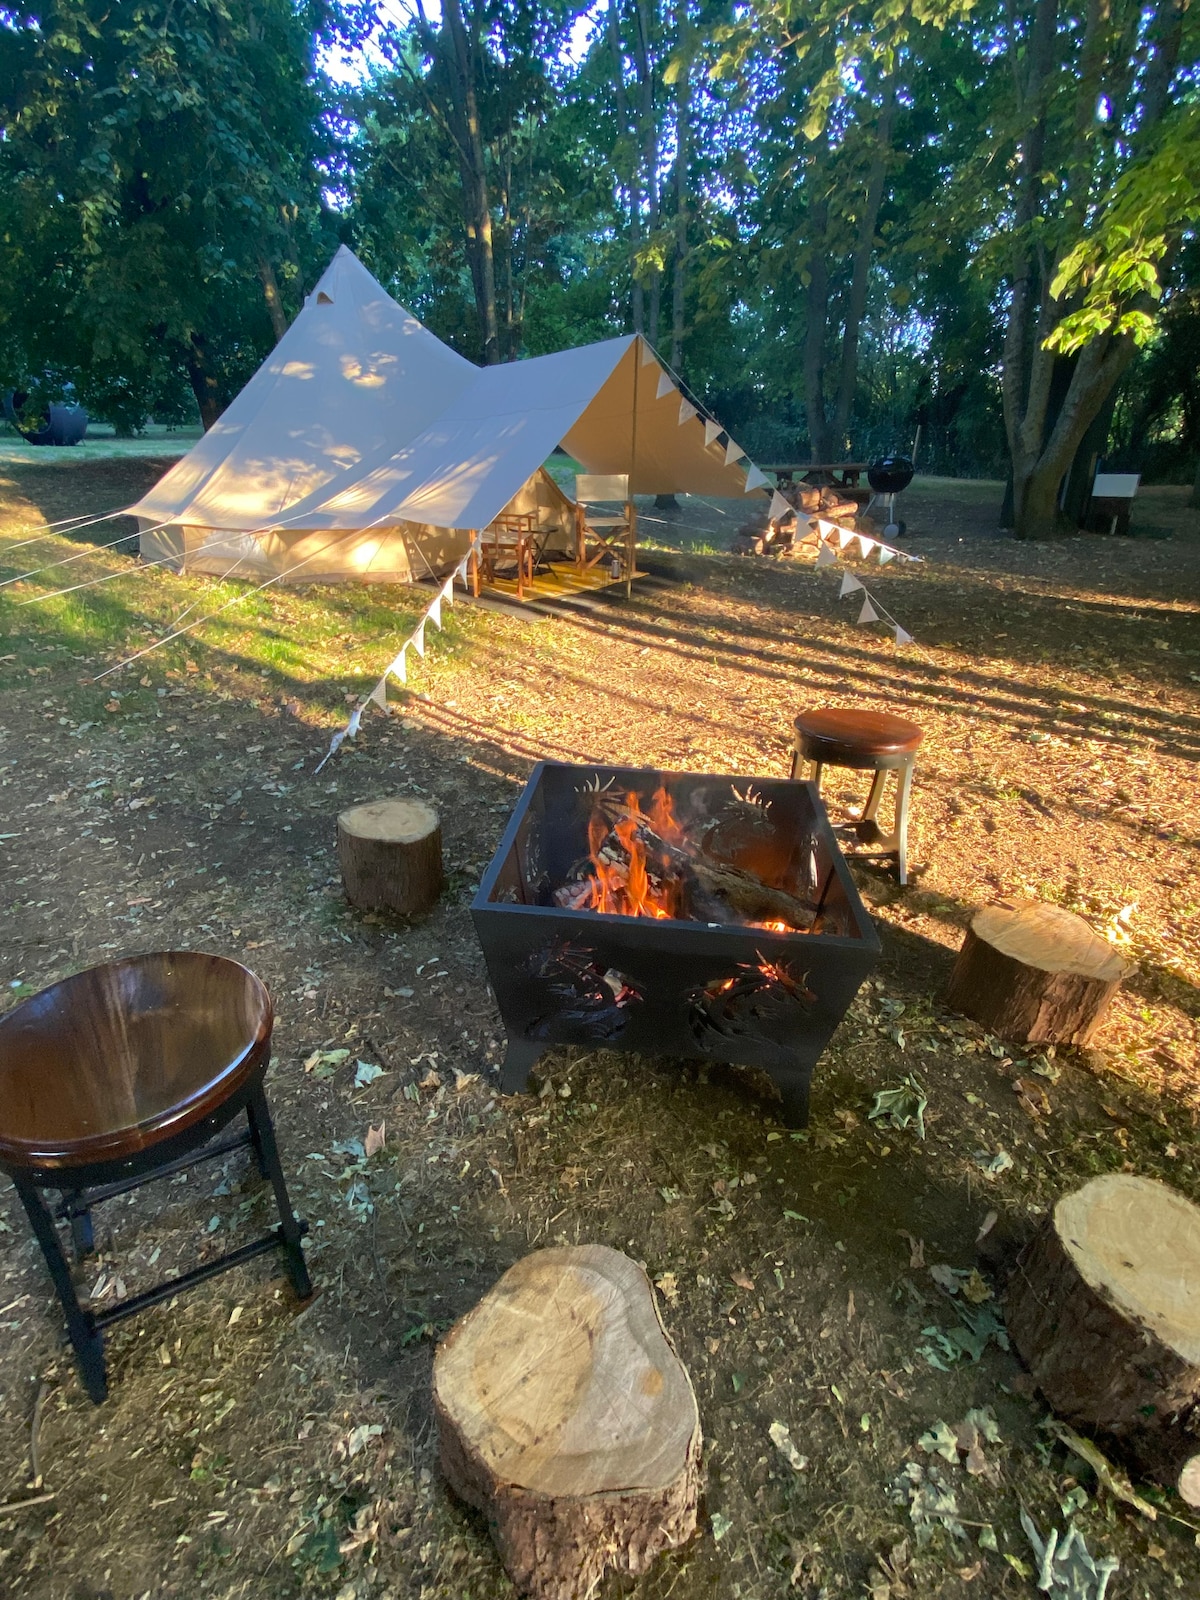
point(637, 310)
point(683, 110)
point(459, 52)
point(648, 128)
point(203, 380)
point(270, 285)
point(856, 299)
point(565, 1415)
point(1102, 1309)
point(1195, 499)
point(816, 315)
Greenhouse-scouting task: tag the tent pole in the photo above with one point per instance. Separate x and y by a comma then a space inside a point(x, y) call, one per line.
point(631, 509)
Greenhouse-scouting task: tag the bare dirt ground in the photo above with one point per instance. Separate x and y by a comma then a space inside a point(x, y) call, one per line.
point(253, 1449)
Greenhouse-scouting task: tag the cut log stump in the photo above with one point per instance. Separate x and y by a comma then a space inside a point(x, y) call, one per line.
point(565, 1416)
point(1035, 973)
point(390, 853)
point(1104, 1309)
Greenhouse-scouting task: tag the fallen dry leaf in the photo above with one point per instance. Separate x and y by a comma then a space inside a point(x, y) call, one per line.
point(375, 1139)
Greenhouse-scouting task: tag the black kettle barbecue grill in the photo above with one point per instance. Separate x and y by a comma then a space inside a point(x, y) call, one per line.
point(888, 476)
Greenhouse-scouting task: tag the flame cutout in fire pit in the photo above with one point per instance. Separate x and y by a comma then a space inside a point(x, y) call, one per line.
point(757, 1003)
point(586, 1000)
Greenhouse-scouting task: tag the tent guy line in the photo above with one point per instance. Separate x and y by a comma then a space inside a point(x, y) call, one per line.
point(49, 530)
point(122, 572)
point(200, 621)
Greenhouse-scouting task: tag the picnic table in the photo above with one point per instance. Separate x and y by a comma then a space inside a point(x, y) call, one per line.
point(844, 474)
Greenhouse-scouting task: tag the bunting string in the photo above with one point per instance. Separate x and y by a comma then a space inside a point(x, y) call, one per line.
point(398, 666)
point(872, 610)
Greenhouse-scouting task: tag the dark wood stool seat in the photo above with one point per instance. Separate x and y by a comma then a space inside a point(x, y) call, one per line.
point(865, 741)
point(837, 736)
point(122, 1074)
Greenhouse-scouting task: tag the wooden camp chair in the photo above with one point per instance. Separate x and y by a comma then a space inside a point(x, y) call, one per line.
point(604, 534)
point(511, 540)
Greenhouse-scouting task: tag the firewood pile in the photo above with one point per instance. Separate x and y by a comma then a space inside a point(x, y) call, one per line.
point(763, 536)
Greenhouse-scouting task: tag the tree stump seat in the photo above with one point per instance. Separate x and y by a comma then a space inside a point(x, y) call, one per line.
point(565, 1416)
point(1104, 1310)
point(1035, 974)
point(390, 853)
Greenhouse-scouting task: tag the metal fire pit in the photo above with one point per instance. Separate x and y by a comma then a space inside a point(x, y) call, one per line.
point(707, 991)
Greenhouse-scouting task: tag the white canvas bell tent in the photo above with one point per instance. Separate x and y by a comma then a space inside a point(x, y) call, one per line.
point(364, 448)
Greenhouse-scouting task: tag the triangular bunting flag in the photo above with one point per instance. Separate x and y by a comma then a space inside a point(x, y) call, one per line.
point(886, 554)
point(865, 545)
point(846, 536)
point(353, 724)
point(647, 354)
point(379, 693)
point(779, 507)
point(448, 590)
point(418, 639)
point(733, 452)
point(686, 412)
point(399, 667)
point(754, 480)
point(434, 614)
point(827, 530)
point(712, 430)
point(849, 584)
point(868, 612)
point(335, 744)
point(825, 556)
point(665, 385)
point(902, 635)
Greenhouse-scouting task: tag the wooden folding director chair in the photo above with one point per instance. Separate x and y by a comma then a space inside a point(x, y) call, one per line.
point(605, 534)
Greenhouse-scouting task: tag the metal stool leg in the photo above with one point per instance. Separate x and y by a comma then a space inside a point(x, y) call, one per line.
point(88, 1343)
point(262, 1133)
point(83, 1235)
point(904, 778)
point(875, 796)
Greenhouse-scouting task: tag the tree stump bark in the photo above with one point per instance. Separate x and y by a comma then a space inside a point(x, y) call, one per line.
point(1035, 973)
point(565, 1416)
point(390, 853)
point(1104, 1309)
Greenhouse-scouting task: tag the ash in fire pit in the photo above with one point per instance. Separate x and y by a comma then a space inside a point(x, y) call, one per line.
point(673, 913)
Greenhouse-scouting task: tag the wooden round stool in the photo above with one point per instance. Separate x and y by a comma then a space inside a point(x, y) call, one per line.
point(120, 1075)
point(867, 741)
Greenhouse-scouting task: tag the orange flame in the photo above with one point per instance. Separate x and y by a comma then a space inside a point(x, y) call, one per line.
point(621, 882)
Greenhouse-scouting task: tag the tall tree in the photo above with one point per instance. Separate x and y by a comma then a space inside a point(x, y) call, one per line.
point(161, 163)
point(1104, 162)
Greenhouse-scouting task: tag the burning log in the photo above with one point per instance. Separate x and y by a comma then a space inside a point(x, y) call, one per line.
point(646, 865)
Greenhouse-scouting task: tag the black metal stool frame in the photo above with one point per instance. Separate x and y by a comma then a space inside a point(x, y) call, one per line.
point(82, 1186)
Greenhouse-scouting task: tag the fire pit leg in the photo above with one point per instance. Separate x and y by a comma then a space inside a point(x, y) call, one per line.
point(793, 1091)
point(518, 1061)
